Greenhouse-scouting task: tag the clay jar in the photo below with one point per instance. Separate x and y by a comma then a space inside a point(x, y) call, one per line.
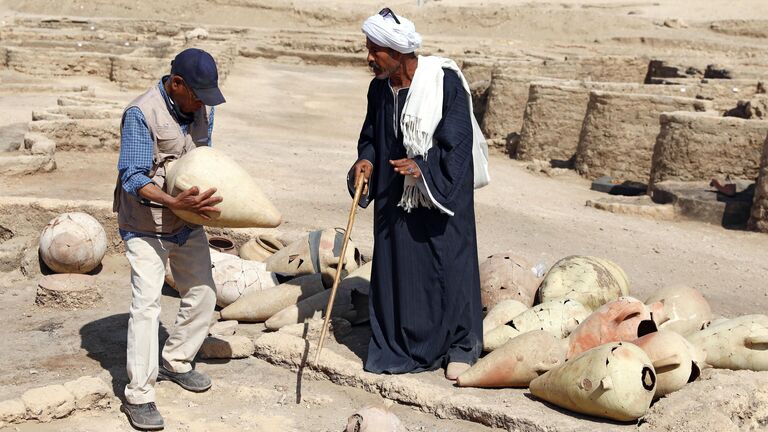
point(222, 244)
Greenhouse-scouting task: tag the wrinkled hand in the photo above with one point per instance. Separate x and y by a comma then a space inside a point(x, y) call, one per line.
point(362, 167)
point(406, 167)
point(200, 203)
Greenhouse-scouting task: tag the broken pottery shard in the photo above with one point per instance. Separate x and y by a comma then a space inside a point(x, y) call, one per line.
point(235, 277)
point(517, 362)
point(232, 276)
point(507, 276)
point(258, 306)
point(590, 280)
point(244, 204)
point(317, 252)
point(556, 317)
point(351, 302)
point(260, 247)
point(614, 381)
point(625, 319)
point(374, 419)
point(739, 343)
point(502, 313)
point(672, 359)
point(73, 243)
point(685, 308)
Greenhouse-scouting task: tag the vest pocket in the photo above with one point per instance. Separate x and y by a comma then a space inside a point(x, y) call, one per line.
point(169, 139)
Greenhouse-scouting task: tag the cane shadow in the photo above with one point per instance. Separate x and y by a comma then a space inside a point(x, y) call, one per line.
point(356, 340)
point(576, 415)
point(105, 340)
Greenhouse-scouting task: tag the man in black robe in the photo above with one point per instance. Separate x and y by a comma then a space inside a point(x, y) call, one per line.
point(425, 287)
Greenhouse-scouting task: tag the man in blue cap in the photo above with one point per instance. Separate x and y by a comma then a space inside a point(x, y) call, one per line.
point(171, 118)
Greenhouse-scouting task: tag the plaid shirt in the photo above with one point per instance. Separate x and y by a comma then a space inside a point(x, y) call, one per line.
point(136, 155)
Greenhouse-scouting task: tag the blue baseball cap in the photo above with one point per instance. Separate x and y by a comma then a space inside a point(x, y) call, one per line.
point(198, 69)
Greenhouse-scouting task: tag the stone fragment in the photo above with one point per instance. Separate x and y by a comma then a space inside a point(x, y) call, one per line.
point(39, 144)
point(197, 33)
point(223, 328)
point(48, 403)
point(88, 391)
point(12, 411)
point(675, 23)
point(226, 347)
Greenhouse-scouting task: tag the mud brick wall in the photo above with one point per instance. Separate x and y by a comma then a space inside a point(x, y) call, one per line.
point(81, 135)
point(78, 113)
point(507, 97)
point(555, 112)
point(619, 133)
point(552, 122)
point(697, 147)
point(42, 63)
point(758, 220)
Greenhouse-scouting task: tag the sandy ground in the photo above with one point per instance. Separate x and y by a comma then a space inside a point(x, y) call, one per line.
point(294, 127)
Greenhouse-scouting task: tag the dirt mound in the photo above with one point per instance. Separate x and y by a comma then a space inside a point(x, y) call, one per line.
point(722, 400)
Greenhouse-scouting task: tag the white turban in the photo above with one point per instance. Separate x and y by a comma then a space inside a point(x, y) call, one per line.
point(385, 32)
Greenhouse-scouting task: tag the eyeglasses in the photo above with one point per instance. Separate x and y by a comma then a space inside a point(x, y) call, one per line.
point(191, 92)
point(387, 11)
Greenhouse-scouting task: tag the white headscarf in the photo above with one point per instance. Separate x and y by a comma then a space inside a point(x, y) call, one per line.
point(386, 32)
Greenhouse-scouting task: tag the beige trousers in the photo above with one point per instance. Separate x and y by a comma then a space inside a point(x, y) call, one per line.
point(191, 268)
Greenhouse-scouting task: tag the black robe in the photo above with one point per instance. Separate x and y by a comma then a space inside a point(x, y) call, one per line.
point(425, 286)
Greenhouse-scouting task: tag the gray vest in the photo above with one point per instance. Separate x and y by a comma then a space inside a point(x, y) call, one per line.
point(169, 143)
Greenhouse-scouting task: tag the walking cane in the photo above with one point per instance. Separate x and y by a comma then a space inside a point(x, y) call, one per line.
point(361, 181)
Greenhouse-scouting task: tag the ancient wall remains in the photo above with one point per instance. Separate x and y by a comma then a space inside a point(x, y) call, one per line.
point(131, 53)
point(619, 133)
point(555, 112)
point(506, 100)
point(551, 122)
point(82, 134)
point(758, 220)
point(699, 147)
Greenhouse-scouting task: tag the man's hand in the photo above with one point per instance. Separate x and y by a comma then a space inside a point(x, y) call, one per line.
point(193, 201)
point(190, 200)
point(362, 167)
point(406, 167)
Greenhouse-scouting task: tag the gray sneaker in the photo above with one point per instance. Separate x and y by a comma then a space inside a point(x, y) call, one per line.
point(193, 380)
point(144, 416)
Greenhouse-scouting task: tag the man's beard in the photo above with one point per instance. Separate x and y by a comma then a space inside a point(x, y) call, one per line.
point(378, 71)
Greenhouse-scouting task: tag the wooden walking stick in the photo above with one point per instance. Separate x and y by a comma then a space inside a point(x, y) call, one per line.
point(361, 181)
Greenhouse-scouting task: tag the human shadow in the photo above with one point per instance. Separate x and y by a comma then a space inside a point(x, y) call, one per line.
point(105, 340)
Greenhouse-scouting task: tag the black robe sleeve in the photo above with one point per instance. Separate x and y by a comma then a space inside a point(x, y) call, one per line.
point(365, 151)
point(450, 159)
